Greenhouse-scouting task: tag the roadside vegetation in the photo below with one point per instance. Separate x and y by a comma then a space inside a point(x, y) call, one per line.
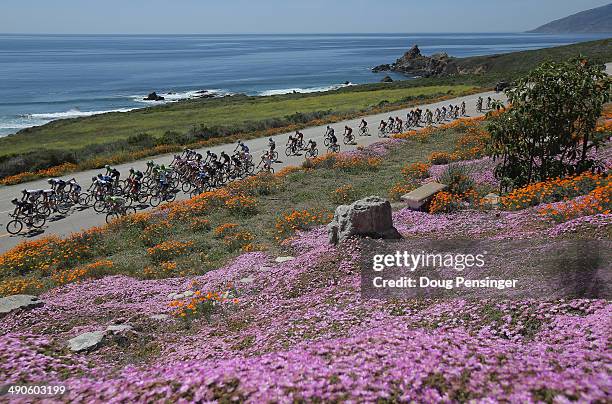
point(192, 237)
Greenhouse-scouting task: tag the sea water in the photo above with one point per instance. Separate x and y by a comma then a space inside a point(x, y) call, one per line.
point(48, 77)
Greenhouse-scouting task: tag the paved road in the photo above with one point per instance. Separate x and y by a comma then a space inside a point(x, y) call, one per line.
point(81, 220)
point(78, 220)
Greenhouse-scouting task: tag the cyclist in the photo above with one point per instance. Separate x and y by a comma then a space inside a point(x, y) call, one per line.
point(113, 173)
point(383, 127)
point(463, 108)
point(333, 141)
point(399, 124)
point(238, 146)
point(57, 184)
point(115, 203)
point(210, 156)
point(266, 160)
point(488, 102)
point(225, 159)
point(244, 152)
point(311, 146)
point(75, 187)
point(162, 179)
point(363, 127)
point(329, 132)
point(391, 123)
point(348, 134)
point(479, 104)
point(299, 139)
point(237, 161)
point(271, 145)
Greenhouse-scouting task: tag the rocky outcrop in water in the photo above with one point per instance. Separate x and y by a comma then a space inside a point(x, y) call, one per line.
point(154, 97)
point(415, 64)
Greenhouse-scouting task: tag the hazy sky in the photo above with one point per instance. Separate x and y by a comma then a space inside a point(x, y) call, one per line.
point(281, 16)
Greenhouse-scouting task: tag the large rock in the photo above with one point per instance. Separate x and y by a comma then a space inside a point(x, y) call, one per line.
point(87, 341)
point(414, 63)
point(154, 97)
point(18, 302)
point(368, 217)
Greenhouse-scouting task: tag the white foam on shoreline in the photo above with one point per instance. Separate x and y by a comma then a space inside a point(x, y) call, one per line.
point(178, 96)
point(281, 91)
point(73, 113)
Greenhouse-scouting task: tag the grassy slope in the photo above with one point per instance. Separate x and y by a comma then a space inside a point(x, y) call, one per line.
point(180, 117)
point(511, 65)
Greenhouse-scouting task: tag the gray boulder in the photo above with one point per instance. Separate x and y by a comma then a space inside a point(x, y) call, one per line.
point(368, 217)
point(18, 302)
point(87, 341)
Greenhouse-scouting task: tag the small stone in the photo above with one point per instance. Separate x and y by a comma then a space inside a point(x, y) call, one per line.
point(280, 260)
point(87, 341)
point(18, 302)
point(247, 280)
point(160, 317)
point(118, 328)
point(188, 293)
point(491, 199)
point(179, 296)
point(171, 295)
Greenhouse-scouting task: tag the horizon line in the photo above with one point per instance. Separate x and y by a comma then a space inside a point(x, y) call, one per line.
point(280, 33)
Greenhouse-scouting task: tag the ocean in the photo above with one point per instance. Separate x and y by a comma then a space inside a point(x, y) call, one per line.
point(48, 77)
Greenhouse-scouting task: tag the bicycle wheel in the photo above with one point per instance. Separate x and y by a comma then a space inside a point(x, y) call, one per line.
point(186, 187)
point(83, 199)
point(142, 198)
point(62, 207)
point(130, 210)
point(346, 140)
point(275, 156)
point(38, 221)
point(326, 141)
point(14, 227)
point(111, 216)
point(155, 200)
point(44, 210)
point(288, 151)
point(99, 206)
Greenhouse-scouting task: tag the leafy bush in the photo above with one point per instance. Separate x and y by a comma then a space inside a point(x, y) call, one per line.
point(550, 128)
point(458, 179)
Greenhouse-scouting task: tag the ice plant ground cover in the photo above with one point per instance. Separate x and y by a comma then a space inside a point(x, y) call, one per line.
point(298, 330)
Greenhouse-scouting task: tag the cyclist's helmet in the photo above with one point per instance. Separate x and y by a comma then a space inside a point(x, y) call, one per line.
point(107, 166)
point(132, 170)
